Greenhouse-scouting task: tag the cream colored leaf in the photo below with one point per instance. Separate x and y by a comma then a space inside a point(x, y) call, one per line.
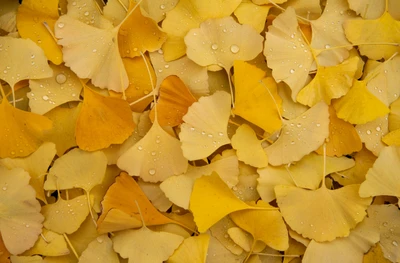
point(49, 244)
point(100, 250)
point(194, 247)
point(371, 134)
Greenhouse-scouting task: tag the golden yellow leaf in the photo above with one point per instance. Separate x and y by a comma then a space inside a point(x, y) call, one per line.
point(371, 134)
point(329, 83)
point(20, 217)
point(343, 137)
point(252, 14)
point(359, 106)
point(51, 244)
point(194, 248)
point(375, 8)
point(173, 103)
point(255, 101)
point(139, 34)
point(375, 255)
point(100, 250)
point(4, 255)
point(385, 30)
point(34, 20)
point(205, 126)
point(21, 132)
point(102, 121)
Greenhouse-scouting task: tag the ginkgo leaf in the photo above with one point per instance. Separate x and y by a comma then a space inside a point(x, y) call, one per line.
point(385, 220)
point(155, 195)
point(156, 9)
point(211, 200)
point(392, 138)
point(375, 255)
point(65, 216)
point(50, 244)
point(139, 34)
point(290, 109)
point(5, 254)
point(47, 94)
point(115, 11)
point(102, 121)
point(77, 169)
point(155, 157)
point(221, 42)
point(194, 76)
point(305, 173)
point(311, 9)
point(22, 59)
point(158, 246)
point(372, 132)
point(36, 165)
point(263, 225)
point(343, 137)
point(218, 253)
point(346, 249)
point(100, 250)
point(179, 188)
point(102, 63)
point(99, 191)
point(63, 131)
point(173, 103)
point(322, 214)
point(205, 126)
point(189, 14)
point(329, 83)
point(8, 15)
point(284, 42)
point(21, 132)
point(253, 97)
point(220, 231)
point(139, 83)
point(87, 12)
point(25, 259)
point(359, 106)
point(121, 196)
point(327, 32)
point(373, 9)
point(20, 218)
point(300, 136)
point(30, 19)
point(248, 147)
point(385, 30)
point(252, 14)
point(194, 248)
point(382, 178)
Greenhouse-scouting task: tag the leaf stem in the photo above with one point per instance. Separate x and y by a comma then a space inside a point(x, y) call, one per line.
point(324, 169)
point(273, 99)
point(123, 6)
point(283, 9)
point(129, 13)
point(152, 86)
point(71, 246)
point(90, 208)
point(276, 255)
point(230, 86)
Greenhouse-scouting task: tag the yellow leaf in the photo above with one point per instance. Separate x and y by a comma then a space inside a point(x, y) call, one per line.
point(65, 216)
point(211, 200)
point(100, 250)
point(253, 15)
point(77, 169)
point(8, 16)
point(189, 14)
point(375, 8)
point(383, 178)
point(372, 132)
point(329, 83)
point(343, 137)
point(139, 34)
point(5, 255)
point(248, 147)
point(21, 132)
point(221, 42)
point(173, 103)
point(359, 106)
point(155, 195)
point(36, 165)
point(375, 255)
point(284, 43)
point(265, 226)
point(30, 19)
point(385, 30)
point(20, 217)
point(102, 121)
point(322, 214)
point(46, 94)
point(392, 138)
point(52, 244)
point(194, 248)
point(300, 136)
point(205, 126)
point(253, 101)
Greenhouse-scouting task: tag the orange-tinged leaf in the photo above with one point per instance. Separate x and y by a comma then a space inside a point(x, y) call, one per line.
point(31, 16)
point(4, 252)
point(386, 30)
point(122, 196)
point(343, 138)
point(173, 103)
point(139, 34)
point(359, 106)
point(253, 101)
point(102, 121)
point(21, 132)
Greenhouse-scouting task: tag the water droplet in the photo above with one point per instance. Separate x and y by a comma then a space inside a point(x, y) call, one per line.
point(292, 142)
point(292, 71)
point(166, 66)
point(152, 172)
point(192, 129)
point(368, 132)
point(45, 97)
point(235, 49)
point(234, 188)
point(4, 188)
point(26, 225)
point(86, 13)
point(33, 56)
point(162, 7)
point(140, 148)
point(385, 224)
point(214, 46)
point(74, 3)
point(298, 125)
point(327, 46)
point(221, 134)
point(378, 128)
point(94, 50)
point(210, 135)
point(153, 153)
point(394, 243)
point(60, 25)
point(318, 124)
point(61, 78)
point(293, 35)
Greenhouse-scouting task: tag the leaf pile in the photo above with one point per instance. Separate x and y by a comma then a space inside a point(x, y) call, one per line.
point(199, 131)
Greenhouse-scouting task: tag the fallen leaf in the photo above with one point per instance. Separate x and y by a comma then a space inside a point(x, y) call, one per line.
point(194, 248)
point(100, 250)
